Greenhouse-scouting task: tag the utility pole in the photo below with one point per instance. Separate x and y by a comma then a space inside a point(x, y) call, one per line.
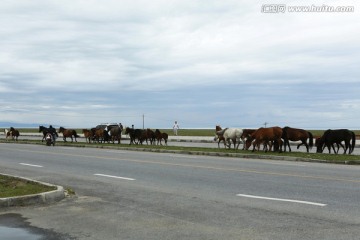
point(143, 121)
point(265, 123)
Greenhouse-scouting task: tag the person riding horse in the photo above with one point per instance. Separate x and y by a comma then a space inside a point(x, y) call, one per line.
point(48, 131)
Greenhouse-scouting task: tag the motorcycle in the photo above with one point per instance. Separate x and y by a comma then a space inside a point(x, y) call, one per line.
point(49, 139)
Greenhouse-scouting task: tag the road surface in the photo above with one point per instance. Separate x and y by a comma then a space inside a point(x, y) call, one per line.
point(141, 195)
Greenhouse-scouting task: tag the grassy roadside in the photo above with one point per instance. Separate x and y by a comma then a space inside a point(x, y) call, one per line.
point(13, 187)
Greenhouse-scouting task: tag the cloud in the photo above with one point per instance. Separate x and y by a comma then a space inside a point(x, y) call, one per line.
point(188, 60)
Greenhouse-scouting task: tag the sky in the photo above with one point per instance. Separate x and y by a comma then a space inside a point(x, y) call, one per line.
point(78, 63)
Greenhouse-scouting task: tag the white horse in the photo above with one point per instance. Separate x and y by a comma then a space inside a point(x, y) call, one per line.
point(228, 134)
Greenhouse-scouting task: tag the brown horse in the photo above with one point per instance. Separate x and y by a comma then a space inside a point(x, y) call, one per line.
point(68, 133)
point(144, 136)
point(100, 135)
point(14, 133)
point(150, 135)
point(265, 136)
point(159, 136)
point(295, 134)
point(88, 135)
point(246, 134)
point(220, 138)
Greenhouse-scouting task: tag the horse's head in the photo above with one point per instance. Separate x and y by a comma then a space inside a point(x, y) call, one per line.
point(127, 130)
point(319, 142)
point(248, 142)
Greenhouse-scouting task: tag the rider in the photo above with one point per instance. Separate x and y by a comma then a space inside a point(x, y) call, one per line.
point(53, 132)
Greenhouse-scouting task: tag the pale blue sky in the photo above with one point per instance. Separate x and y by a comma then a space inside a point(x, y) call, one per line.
point(77, 63)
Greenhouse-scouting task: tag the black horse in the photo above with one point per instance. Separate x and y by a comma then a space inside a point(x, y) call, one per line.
point(134, 134)
point(337, 136)
point(46, 130)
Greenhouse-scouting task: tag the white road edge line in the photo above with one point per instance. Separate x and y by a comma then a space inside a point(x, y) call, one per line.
point(283, 200)
point(31, 165)
point(110, 176)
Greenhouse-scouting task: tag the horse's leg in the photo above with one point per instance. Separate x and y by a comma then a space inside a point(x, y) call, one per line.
point(265, 148)
point(237, 147)
point(303, 142)
point(307, 147)
point(342, 146)
point(225, 145)
point(288, 143)
point(271, 144)
point(346, 147)
point(255, 143)
point(331, 146)
point(229, 142)
point(280, 143)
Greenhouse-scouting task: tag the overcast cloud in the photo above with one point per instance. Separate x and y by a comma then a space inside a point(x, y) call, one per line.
point(77, 63)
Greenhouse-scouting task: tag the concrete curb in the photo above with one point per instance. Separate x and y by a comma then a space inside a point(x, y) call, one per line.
point(34, 199)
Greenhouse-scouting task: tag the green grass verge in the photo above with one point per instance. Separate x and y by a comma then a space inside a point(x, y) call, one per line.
point(13, 187)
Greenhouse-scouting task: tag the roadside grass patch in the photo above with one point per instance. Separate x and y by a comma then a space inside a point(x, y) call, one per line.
point(14, 187)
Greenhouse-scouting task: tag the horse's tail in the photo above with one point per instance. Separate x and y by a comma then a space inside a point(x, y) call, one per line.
point(311, 140)
point(353, 141)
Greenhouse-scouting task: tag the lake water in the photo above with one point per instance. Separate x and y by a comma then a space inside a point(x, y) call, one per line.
point(8, 233)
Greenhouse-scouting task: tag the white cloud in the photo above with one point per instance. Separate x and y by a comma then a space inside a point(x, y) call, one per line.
point(109, 51)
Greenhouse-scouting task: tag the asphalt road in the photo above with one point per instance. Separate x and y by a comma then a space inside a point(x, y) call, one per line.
point(141, 195)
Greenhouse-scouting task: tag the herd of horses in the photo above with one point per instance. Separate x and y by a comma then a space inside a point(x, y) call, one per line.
point(272, 138)
point(279, 139)
point(112, 133)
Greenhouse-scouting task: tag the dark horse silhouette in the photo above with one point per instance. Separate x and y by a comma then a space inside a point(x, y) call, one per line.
point(295, 134)
point(46, 130)
point(161, 135)
point(134, 134)
point(14, 133)
point(114, 132)
point(337, 136)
